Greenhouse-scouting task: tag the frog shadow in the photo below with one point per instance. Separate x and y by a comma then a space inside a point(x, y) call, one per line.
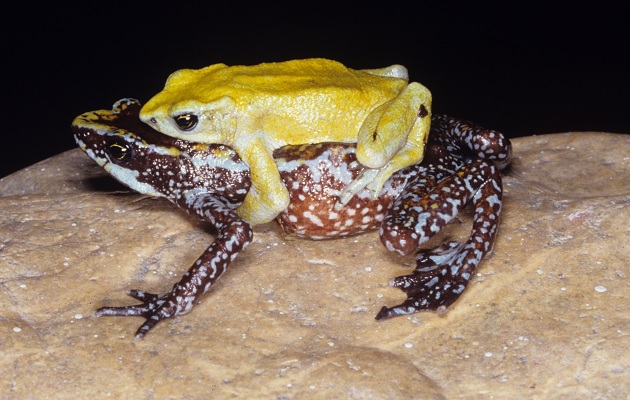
point(105, 184)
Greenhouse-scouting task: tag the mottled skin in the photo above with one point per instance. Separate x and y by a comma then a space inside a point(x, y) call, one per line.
point(461, 166)
point(256, 109)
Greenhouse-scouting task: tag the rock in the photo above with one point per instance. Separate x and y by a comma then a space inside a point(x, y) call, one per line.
point(546, 316)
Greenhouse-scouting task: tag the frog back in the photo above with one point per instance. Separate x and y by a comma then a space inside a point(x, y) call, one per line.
point(282, 79)
point(290, 100)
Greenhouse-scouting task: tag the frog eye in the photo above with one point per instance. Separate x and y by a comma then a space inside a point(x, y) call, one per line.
point(119, 153)
point(186, 122)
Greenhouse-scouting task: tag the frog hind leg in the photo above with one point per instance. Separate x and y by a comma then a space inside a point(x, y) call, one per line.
point(391, 138)
point(267, 196)
point(234, 235)
point(441, 274)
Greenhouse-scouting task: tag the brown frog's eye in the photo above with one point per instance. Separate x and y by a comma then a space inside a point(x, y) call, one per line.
point(186, 122)
point(119, 153)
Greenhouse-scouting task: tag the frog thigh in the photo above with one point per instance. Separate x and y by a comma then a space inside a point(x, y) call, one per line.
point(411, 153)
point(389, 127)
point(267, 196)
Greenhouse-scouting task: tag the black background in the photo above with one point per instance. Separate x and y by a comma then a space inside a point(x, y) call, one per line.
point(520, 68)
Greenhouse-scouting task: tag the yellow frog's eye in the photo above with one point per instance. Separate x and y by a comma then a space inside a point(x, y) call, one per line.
point(186, 122)
point(119, 153)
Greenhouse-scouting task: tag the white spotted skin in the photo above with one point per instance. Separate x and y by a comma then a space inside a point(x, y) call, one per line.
point(461, 167)
point(316, 184)
point(441, 274)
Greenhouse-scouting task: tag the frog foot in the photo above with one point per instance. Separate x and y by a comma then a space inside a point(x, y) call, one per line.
point(354, 187)
point(154, 308)
point(440, 277)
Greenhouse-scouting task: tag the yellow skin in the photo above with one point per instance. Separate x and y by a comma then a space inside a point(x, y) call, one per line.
point(256, 109)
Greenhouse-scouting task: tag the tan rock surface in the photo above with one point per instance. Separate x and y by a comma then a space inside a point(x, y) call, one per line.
point(545, 317)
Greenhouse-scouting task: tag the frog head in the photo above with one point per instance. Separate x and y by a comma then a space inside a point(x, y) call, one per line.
point(192, 106)
point(158, 165)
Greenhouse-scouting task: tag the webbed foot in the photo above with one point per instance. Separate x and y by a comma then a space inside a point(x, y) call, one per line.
point(154, 308)
point(437, 282)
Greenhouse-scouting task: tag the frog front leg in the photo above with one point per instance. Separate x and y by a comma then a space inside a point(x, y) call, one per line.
point(267, 196)
point(392, 137)
point(233, 235)
point(442, 274)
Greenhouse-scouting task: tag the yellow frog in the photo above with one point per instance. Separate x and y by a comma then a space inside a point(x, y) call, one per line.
point(257, 109)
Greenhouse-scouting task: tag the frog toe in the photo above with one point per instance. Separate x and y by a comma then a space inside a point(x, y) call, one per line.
point(408, 306)
point(355, 187)
point(371, 179)
point(150, 302)
point(154, 308)
point(143, 296)
point(146, 327)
